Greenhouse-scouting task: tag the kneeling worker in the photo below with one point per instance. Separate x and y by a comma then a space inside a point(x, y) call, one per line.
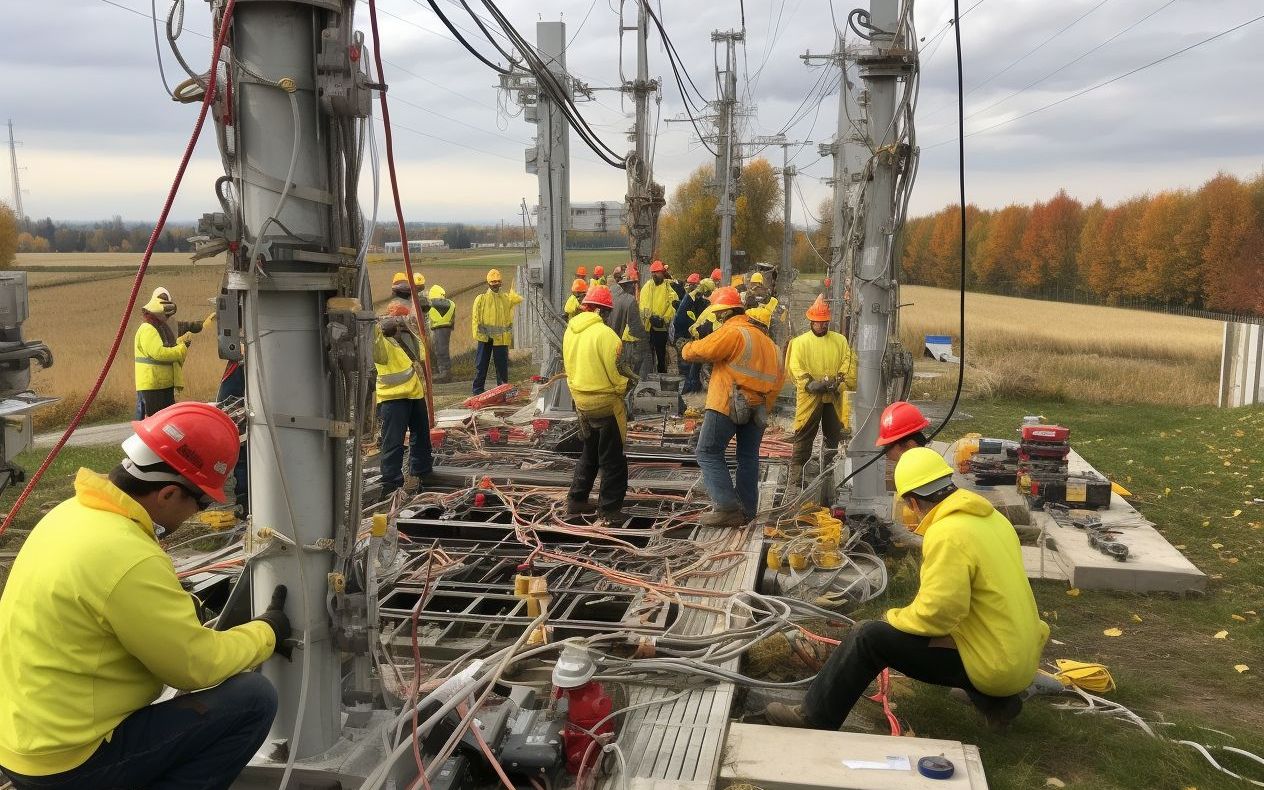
point(94, 623)
point(590, 352)
point(973, 625)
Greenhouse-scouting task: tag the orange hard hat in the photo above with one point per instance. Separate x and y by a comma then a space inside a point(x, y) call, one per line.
point(898, 420)
point(694, 279)
point(716, 274)
point(579, 286)
point(819, 311)
point(599, 271)
point(198, 441)
point(726, 297)
point(632, 273)
point(582, 271)
point(398, 309)
point(657, 266)
point(599, 296)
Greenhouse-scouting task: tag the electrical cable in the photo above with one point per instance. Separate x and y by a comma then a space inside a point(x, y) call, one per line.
point(153, 13)
point(461, 40)
point(136, 283)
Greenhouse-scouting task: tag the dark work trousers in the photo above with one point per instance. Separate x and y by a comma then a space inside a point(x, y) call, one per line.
point(233, 385)
point(871, 647)
point(483, 356)
point(658, 342)
point(198, 741)
point(157, 400)
point(603, 449)
point(397, 417)
point(826, 419)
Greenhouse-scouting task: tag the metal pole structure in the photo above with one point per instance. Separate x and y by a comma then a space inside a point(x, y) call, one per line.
point(283, 175)
point(873, 287)
point(17, 184)
point(553, 171)
point(725, 161)
point(644, 199)
point(787, 234)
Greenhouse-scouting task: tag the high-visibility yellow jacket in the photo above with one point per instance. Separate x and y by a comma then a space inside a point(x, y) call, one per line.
point(658, 300)
point(572, 306)
point(740, 353)
point(442, 310)
point(93, 624)
point(811, 358)
point(974, 589)
point(492, 317)
point(705, 319)
point(157, 366)
point(590, 350)
point(397, 376)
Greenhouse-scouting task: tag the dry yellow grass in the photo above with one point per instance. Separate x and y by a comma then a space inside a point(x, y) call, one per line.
point(1027, 348)
point(36, 260)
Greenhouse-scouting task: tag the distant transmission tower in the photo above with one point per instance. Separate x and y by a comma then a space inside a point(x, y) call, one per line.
point(17, 184)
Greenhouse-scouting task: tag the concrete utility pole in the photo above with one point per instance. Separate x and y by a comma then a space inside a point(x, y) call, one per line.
point(17, 184)
point(644, 199)
point(726, 162)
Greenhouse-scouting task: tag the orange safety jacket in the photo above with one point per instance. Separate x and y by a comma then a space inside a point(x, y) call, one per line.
point(740, 353)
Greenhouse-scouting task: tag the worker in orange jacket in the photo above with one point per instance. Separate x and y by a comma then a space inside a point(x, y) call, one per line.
point(746, 377)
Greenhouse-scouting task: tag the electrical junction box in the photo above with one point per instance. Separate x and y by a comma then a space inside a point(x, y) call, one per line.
point(17, 435)
point(14, 307)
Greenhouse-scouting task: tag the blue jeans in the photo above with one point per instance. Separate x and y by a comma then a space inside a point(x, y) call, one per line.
point(483, 355)
point(233, 385)
point(399, 417)
point(198, 741)
point(713, 441)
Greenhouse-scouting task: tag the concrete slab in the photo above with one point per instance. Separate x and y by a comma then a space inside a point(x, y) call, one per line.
point(777, 758)
point(1041, 563)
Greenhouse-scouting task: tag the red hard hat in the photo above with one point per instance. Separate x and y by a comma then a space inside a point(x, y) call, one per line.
point(898, 420)
point(657, 266)
point(582, 271)
point(716, 274)
point(726, 297)
point(197, 440)
point(599, 271)
point(694, 279)
point(599, 296)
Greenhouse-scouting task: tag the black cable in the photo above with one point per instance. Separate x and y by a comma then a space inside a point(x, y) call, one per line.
point(672, 54)
point(496, 67)
point(961, 185)
point(684, 95)
point(478, 20)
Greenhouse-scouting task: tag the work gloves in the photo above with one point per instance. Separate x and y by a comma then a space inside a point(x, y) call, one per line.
point(657, 322)
point(274, 617)
point(817, 386)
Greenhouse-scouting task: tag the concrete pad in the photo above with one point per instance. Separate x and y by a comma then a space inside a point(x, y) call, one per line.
point(1042, 563)
point(778, 758)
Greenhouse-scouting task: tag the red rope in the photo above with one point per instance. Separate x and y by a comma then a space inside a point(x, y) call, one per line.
point(207, 100)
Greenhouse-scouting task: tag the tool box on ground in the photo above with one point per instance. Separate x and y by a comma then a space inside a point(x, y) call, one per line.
point(988, 461)
point(1043, 474)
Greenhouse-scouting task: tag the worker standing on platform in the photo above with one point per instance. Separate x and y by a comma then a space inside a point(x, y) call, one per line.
point(160, 354)
point(900, 429)
point(442, 314)
point(578, 289)
point(599, 276)
point(823, 368)
point(94, 624)
point(492, 321)
point(658, 310)
point(746, 377)
point(973, 624)
point(625, 320)
point(401, 407)
point(590, 353)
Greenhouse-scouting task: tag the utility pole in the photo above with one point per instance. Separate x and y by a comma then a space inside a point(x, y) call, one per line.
point(17, 184)
point(726, 162)
point(644, 199)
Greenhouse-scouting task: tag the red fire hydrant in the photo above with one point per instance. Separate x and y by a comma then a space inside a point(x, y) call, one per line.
point(588, 705)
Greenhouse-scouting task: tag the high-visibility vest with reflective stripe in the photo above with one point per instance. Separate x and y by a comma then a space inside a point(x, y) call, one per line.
point(397, 376)
point(492, 317)
point(439, 320)
point(157, 366)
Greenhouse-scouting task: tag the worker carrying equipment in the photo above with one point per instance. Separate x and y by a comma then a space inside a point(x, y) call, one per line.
point(901, 429)
point(160, 354)
point(658, 302)
point(94, 624)
point(492, 321)
point(973, 624)
point(745, 379)
point(590, 354)
point(401, 405)
point(578, 288)
point(442, 315)
point(824, 369)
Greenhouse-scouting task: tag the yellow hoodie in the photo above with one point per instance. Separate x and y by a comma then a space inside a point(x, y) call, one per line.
point(93, 623)
point(974, 589)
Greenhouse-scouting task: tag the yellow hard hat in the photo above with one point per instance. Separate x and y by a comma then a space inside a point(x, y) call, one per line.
point(737, 280)
point(437, 292)
point(757, 277)
point(400, 277)
point(493, 276)
point(155, 306)
point(760, 315)
point(921, 471)
point(706, 286)
point(419, 279)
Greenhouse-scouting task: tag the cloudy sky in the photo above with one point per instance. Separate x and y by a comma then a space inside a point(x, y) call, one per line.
point(101, 137)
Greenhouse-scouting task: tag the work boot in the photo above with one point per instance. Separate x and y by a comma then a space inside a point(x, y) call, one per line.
point(998, 716)
point(576, 508)
point(723, 518)
point(779, 714)
point(412, 484)
point(614, 518)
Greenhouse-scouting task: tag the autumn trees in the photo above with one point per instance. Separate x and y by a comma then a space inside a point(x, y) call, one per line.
point(689, 229)
point(1202, 248)
point(8, 235)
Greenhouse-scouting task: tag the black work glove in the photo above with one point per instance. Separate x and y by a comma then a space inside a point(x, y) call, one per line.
point(274, 617)
point(817, 387)
point(657, 321)
point(390, 327)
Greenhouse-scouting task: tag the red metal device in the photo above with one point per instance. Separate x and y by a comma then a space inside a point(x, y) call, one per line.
point(587, 705)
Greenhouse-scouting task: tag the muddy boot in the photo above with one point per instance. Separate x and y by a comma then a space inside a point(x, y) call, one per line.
point(412, 484)
point(614, 518)
point(779, 714)
point(575, 508)
point(723, 518)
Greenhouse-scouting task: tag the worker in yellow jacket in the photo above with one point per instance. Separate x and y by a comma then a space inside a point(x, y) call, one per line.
point(746, 377)
point(590, 353)
point(823, 368)
point(658, 302)
point(401, 407)
point(492, 322)
point(973, 624)
point(160, 354)
point(573, 304)
point(94, 624)
point(442, 315)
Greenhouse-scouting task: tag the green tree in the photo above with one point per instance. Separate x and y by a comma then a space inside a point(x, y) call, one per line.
point(689, 229)
point(759, 221)
point(8, 236)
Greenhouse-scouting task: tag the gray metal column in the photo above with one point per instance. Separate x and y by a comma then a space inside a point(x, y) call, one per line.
point(553, 141)
point(726, 161)
point(291, 456)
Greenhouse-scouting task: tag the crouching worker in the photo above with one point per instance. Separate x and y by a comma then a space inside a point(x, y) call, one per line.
point(973, 624)
point(94, 623)
point(590, 352)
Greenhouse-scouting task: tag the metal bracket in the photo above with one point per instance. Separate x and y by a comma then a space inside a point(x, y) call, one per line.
point(886, 63)
point(284, 281)
point(335, 428)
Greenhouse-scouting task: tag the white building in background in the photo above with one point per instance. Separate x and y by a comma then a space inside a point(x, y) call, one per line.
point(416, 245)
point(605, 216)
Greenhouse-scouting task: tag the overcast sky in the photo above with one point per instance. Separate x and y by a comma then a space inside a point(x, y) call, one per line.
point(101, 137)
